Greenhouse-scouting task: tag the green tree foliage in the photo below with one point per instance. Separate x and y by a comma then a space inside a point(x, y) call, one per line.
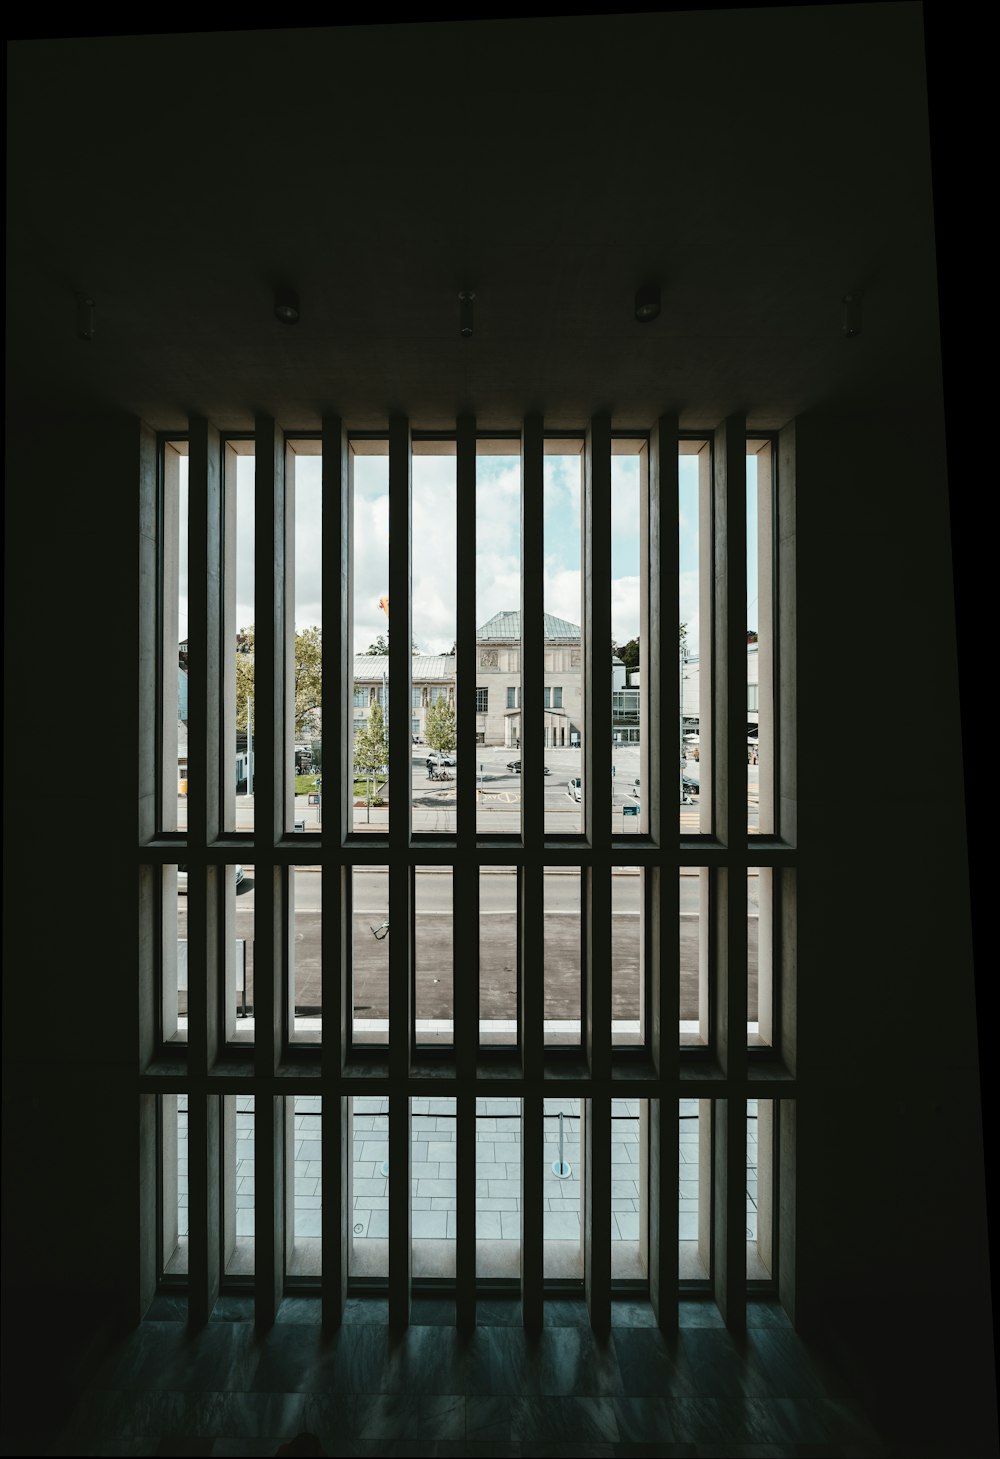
point(381, 646)
point(308, 680)
point(629, 652)
point(371, 745)
point(439, 727)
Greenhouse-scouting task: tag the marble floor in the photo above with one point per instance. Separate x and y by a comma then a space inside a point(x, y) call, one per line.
point(229, 1390)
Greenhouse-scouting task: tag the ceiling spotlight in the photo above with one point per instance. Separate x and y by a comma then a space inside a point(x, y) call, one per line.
point(465, 301)
point(647, 303)
point(851, 314)
point(286, 306)
point(85, 316)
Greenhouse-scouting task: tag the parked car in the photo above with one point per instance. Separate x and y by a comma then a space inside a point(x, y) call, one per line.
point(690, 785)
point(182, 879)
point(514, 766)
point(440, 757)
point(574, 787)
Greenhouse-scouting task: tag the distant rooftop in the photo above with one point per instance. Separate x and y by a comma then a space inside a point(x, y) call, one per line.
point(507, 625)
point(371, 667)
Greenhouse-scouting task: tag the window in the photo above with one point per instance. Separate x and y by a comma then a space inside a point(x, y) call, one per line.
point(494, 930)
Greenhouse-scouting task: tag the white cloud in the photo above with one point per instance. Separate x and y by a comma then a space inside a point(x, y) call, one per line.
point(625, 609)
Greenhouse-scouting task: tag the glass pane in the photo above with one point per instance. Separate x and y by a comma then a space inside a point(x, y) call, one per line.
point(628, 549)
point(305, 954)
point(433, 955)
point(760, 1188)
point(628, 1187)
point(498, 636)
point(174, 1172)
point(305, 1230)
point(695, 610)
point(760, 993)
point(174, 643)
point(242, 466)
point(433, 769)
point(173, 960)
point(693, 895)
point(627, 960)
point(498, 1187)
point(563, 605)
point(498, 957)
point(760, 639)
point(370, 609)
point(238, 1183)
point(694, 1175)
point(304, 478)
point(432, 1171)
point(369, 1121)
point(238, 892)
point(370, 954)
point(561, 932)
point(563, 1190)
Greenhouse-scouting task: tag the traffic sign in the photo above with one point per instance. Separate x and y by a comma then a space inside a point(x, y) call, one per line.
point(630, 810)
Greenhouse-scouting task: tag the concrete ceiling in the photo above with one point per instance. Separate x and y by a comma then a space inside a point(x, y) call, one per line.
point(759, 164)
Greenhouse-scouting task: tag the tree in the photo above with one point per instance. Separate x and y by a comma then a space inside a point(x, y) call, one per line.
point(307, 680)
point(381, 646)
point(439, 727)
point(629, 653)
point(371, 747)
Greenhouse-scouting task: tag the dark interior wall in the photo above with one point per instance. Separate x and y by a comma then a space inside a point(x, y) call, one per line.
point(70, 1130)
point(892, 1234)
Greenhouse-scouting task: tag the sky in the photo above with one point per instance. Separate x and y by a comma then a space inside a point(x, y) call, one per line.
point(497, 545)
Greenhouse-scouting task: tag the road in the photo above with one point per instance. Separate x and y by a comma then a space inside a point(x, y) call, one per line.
point(499, 793)
point(436, 955)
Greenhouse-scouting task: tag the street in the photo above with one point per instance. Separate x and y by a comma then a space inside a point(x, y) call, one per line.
point(499, 792)
point(436, 956)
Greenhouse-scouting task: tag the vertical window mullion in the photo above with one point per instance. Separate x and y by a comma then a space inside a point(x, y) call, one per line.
point(659, 773)
point(597, 743)
point(465, 635)
point(400, 878)
point(531, 879)
point(269, 879)
point(204, 1206)
point(532, 632)
point(335, 924)
point(268, 740)
point(729, 1163)
point(465, 900)
point(204, 740)
point(596, 664)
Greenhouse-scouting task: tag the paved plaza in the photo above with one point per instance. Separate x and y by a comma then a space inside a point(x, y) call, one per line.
point(433, 1184)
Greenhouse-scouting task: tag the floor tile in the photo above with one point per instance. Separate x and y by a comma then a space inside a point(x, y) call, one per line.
point(572, 1421)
